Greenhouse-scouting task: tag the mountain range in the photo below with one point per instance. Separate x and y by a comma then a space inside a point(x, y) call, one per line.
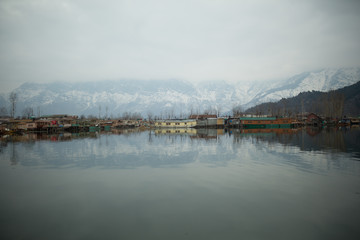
point(169, 98)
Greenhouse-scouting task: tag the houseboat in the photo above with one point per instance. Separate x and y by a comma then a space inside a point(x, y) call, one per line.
point(265, 122)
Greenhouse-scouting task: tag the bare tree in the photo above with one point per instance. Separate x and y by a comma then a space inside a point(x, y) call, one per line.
point(218, 110)
point(340, 104)
point(38, 111)
point(290, 113)
point(236, 110)
point(284, 104)
point(27, 112)
point(332, 104)
point(13, 99)
point(126, 115)
point(259, 110)
point(91, 117)
point(210, 110)
point(150, 116)
point(3, 111)
point(172, 113)
point(136, 116)
point(191, 109)
point(302, 107)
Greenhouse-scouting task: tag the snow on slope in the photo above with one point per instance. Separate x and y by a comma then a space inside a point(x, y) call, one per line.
point(324, 80)
point(162, 97)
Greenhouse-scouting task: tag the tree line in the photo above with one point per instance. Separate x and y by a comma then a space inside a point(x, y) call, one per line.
point(330, 104)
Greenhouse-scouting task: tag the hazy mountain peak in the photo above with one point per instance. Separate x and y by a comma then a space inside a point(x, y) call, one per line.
point(174, 96)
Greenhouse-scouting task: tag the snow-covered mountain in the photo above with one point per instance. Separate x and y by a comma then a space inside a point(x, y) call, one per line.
point(322, 80)
point(168, 98)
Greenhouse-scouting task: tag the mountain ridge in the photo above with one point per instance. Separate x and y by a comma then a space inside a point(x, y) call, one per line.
point(173, 98)
point(335, 103)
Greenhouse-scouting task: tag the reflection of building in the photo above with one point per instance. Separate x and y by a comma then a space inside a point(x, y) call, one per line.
point(189, 131)
point(269, 130)
point(207, 134)
point(313, 131)
point(188, 123)
point(355, 121)
point(201, 133)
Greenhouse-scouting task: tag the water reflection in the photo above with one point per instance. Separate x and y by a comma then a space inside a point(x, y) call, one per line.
point(172, 147)
point(308, 139)
point(171, 184)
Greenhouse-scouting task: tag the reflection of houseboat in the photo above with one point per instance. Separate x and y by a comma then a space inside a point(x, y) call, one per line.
point(355, 121)
point(268, 130)
point(189, 131)
point(349, 121)
point(188, 123)
point(344, 122)
point(265, 122)
point(193, 133)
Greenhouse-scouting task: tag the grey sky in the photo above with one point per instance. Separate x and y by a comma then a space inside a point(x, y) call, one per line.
point(79, 40)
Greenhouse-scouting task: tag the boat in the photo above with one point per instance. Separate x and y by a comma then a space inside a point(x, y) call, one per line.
point(266, 122)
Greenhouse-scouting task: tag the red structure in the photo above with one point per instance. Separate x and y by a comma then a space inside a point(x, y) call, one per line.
point(313, 119)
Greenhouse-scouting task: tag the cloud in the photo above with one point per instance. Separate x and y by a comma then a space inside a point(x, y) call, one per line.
point(192, 40)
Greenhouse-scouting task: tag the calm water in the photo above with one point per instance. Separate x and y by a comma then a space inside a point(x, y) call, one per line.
point(209, 184)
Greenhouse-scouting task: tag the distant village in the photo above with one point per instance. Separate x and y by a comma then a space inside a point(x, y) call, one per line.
point(73, 124)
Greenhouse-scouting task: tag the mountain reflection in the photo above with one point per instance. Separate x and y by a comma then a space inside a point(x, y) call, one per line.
point(128, 149)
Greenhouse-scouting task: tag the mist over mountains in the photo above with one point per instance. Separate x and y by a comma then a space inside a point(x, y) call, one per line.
point(171, 97)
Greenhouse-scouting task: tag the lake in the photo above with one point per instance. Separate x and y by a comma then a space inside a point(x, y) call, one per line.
point(177, 184)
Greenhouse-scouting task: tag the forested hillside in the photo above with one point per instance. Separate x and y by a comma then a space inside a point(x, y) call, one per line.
point(334, 104)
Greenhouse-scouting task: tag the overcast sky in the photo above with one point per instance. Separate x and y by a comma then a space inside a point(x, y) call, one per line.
point(80, 40)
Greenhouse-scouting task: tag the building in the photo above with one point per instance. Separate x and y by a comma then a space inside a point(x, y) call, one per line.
point(313, 119)
point(188, 123)
point(210, 123)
